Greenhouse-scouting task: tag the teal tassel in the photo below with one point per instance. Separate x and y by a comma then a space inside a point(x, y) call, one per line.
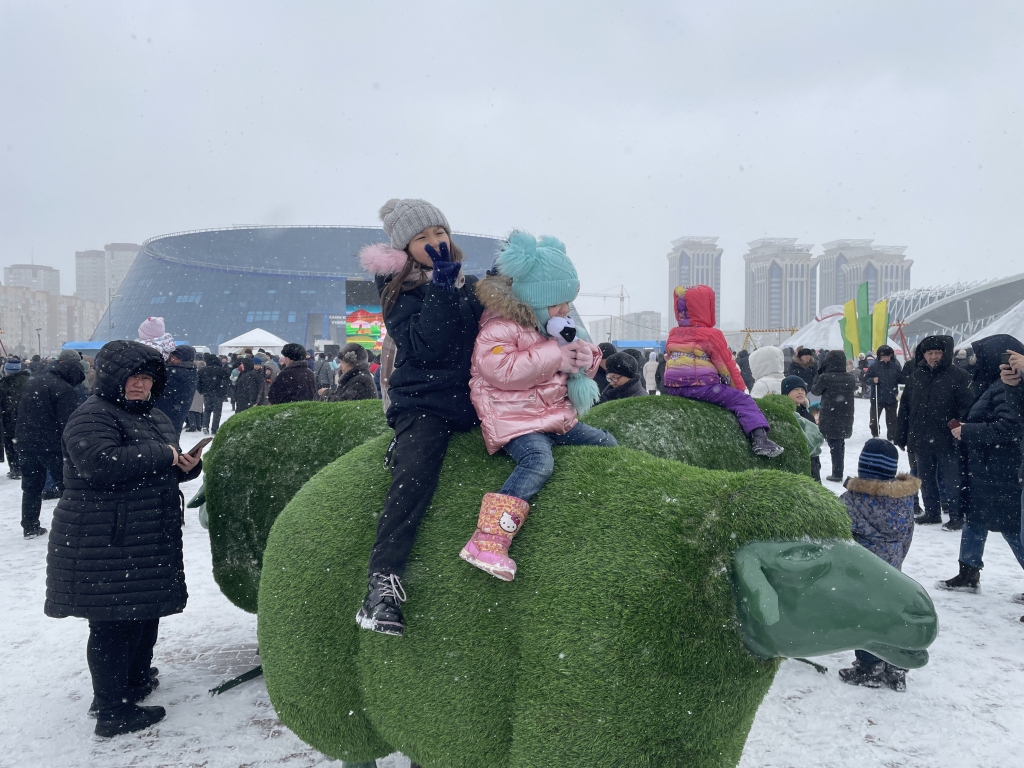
point(582, 392)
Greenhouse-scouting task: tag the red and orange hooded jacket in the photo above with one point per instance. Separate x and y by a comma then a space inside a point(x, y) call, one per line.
point(696, 354)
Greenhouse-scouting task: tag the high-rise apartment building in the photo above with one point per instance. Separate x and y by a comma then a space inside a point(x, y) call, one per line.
point(35, 277)
point(39, 322)
point(848, 263)
point(694, 260)
point(642, 326)
point(781, 284)
point(98, 274)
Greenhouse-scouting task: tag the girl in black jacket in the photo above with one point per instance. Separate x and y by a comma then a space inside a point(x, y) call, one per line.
point(837, 389)
point(115, 552)
point(431, 314)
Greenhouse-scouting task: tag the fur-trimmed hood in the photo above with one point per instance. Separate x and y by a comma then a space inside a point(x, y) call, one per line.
point(382, 259)
point(901, 487)
point(495, 293)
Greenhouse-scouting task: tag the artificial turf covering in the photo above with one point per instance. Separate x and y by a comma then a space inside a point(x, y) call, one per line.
point(262, 456)
point(258, 461)
point(614, 646)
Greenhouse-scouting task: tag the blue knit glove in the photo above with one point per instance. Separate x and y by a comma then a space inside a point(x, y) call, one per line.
point(446, 271)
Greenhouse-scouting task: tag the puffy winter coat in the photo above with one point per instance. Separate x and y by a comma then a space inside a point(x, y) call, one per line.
point(251, 387)
point(357, 384)
point(992, 435)
point(767, 365)
point(11, 389)
point(650, 376)
point(837, 388)
point(47, 403)
point(516, 386)
point(932, 398)
point(882, 515)
point(115, 548)
point(215, 381)
point(633, 388)
point(294, 384)
point(433, 330)
point(176, 399)
point(807, 373)
point(890, 376)
point(1015, 402)
point(697, 354)
point(743, 363)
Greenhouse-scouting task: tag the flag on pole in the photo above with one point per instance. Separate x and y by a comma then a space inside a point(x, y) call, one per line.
point(880, 324)
point(863, 319)
point(848, 327)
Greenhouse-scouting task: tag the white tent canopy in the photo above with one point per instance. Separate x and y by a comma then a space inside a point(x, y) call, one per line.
point(823, 333)
point(256, 338)
point(1010, 323)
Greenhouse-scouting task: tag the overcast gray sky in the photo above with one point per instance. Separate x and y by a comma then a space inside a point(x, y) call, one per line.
point(616, 127)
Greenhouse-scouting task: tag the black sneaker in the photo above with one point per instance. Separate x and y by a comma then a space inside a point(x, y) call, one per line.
point(32, 533)
point(925, 519)
point(136, 694)
point(382, 608)
point(954, 524)
point(127, 718)
point(869, 675)
point(834, 479)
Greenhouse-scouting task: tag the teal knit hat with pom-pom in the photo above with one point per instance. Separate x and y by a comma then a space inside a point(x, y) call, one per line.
point(542, 276)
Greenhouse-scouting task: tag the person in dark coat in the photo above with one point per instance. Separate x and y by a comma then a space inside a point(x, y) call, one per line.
point(884, 377)
point(937, 392)
point(115, 552)
point(623, 378)
point(637, 355)
point(601, 377)
point(803, 365)
point(743, 363)
point(251, 387)
point(324, 373)
point(47, 403)
point(36, 365)
point(837, 389)
point(295, 383)
point(215, 387)
point(182, 381)
point(12, 385)
point(992, 434)
point(355, 382)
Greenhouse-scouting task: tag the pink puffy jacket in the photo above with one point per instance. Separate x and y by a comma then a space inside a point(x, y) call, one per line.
point(515, 383)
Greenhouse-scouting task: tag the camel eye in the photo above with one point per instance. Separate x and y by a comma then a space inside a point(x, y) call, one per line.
point(805, 553)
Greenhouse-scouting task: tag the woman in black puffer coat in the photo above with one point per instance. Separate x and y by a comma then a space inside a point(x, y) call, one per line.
point(837, 388)
point(115, 549)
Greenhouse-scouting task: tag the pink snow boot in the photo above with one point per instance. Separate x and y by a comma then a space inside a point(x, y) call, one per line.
point(500, 517)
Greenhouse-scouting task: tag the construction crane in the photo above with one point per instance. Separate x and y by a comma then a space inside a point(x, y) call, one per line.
point(622, 295)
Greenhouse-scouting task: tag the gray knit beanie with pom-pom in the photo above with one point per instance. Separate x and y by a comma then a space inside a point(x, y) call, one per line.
point(404, 219)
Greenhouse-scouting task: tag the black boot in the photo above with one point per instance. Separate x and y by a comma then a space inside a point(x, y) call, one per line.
point(925, 519)
point(136, 694)
point(382, 608)
point(954, 524)
point(968, 580)
point(762, 446)
point(870, 675)
point(895, 678)
point(126, 718)
point(32, 533)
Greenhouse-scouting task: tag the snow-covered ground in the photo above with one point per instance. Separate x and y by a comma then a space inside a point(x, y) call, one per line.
point(965, 709)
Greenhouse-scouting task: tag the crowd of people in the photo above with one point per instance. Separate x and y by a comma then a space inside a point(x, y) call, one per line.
point(503, 353)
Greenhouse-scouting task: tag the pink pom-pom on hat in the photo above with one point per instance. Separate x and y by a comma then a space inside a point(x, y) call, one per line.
point(382, 259)
point(151, 328)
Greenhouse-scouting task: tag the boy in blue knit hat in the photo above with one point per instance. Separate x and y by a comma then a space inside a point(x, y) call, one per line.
point(881, 508)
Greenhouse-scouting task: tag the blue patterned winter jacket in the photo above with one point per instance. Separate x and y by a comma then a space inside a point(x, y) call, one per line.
point(882, 515)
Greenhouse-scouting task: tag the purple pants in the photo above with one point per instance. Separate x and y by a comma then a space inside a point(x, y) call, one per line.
point(730, 398)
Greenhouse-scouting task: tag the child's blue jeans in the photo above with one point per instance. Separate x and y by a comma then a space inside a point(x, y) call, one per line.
point(534, 462)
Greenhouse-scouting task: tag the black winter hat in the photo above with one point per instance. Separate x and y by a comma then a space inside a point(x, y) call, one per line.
point(801, 351)
point(353, 354)
point(931, 342)
point(185, 353)
point(294, 351)
point(878, 460)
point(793, 382)
point(885, 349)
point(607, 349)
point(622, 363)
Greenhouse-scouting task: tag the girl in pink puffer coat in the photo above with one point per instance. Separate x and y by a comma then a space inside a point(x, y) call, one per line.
point(527, 387)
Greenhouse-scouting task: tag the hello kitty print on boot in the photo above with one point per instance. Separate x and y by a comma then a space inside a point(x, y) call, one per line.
point(500, 518)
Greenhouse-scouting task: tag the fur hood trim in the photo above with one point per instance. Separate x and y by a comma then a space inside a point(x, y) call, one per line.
point(382, 259)
point(902, 486)
point(495, 293)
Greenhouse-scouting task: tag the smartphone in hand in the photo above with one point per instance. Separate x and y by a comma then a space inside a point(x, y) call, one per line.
point(197, 449)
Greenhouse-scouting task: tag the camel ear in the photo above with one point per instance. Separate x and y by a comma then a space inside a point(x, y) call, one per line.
point(759, 597)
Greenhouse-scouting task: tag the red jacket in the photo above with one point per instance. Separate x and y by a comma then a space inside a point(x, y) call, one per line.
point(696, 354)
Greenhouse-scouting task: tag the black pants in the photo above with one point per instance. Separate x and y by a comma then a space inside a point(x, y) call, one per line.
point(837, 449)
point(33, 480)
point(194, 421)
point(928, 466)
point(211, 410)
point(11, 451)
point(416, 455)
point(120, 654)
point(889, 411)
point(816, 468)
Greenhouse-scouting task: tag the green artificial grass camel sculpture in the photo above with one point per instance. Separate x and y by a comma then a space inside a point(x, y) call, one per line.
point(618, 644)
point(262, 457)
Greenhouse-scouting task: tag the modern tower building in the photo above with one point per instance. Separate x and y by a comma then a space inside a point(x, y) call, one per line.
point(694, 260)
point(35, 277)
point(781, 284)
point(848, 263)
point(98, 274)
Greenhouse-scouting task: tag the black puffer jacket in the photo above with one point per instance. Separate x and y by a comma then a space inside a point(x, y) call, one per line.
point(176, 399)
point(633, 388)
point(11, 389)
point(47, 403)
point(836, 388)
point(992, 435)
point(292, 385)
point(434, 331)
point(890, 376)
point(251, 387)
point(357, 384)
point(115, 547)
point(215, 380)
point(1015, 403)
point(805, 373)
point(932, 398)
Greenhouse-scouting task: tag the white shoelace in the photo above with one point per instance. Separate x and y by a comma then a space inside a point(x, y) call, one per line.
point(393, 588)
